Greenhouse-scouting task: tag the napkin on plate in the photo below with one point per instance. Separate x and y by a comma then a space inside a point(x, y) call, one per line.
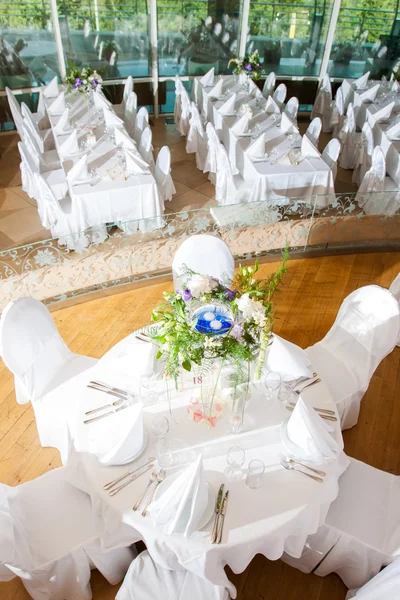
point(287, 359)
point(395, 87)
point(58, 106)
point(123, 139)
point(370, 94)
point(393, 131)
point(208, 79)
point(51, 90)
point(362, 81)
point(216, 92)
point(271, 106)
point(310, 433)
point(182, 506)
point(288, 125)
point(308, 150)
point(79, 172)
point(70, 146)
point(134, 163)
point(242, 124)
point(257, 148)
point(380, 115)
point(100, 100)
point(111, 119)
point(63, 125)
point(228, 107)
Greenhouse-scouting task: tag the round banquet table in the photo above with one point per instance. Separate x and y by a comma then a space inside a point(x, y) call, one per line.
point(270, 520)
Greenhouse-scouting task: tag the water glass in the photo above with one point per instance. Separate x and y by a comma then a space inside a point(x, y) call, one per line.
point(160, 428)
point(287, 384)
point(148, 380)
point(235, 459)
point(255, 472)
point(273, 384)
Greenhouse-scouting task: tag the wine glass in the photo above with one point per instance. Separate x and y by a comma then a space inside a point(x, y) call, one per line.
point(148, 380)
point(235, 459)
point(287, 385)
point(273, 384)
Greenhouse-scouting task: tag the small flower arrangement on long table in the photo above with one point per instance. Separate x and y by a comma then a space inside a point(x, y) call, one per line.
point(83, 80)
point(249, 64)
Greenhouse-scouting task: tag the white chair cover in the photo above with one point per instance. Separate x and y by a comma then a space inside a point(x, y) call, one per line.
point(229, 188)
point(183, 122)
point(314, 130)
point(130, 112)
point(206, 254)
point(269, 84)
point(46, 161)
point(370, 195)
point(145, 580)
point(330, 155)
point(28, 168)
point(385, 585)
point(323, 104)
point(395, 289)
point(145, 146)
point(292, 107)
point(196, 138)
point(142, 121)
point(364, 150)
point(163, 174)
point(212, 149)
point(347, 137)
point(15, 111)
point(128, 89)
point(49, 539)
point(280, 94)
point(366, 329)
point(178, 99)
point(337, 117)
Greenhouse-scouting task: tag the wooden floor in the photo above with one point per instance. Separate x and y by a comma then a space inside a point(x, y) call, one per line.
point(305, 310)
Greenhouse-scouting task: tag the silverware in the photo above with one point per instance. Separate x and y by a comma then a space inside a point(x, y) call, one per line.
point(160, 479)
point(141, 471)
point(142, 339)
point(290, 467)
point(107, 414)
point(152, 479)
point(297, 462)
point(222, 517)
point(113, 404)
point(324, 411)
point(105, 386)
point(304, 384)
point(112, 483)
point(105, 391)
point(326, 417)
point(217, 510)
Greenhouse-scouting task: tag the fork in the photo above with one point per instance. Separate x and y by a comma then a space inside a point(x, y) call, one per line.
point(160, 479)
point(112, 405)
point(152, 479)
point(292, 461)
point(290, 467)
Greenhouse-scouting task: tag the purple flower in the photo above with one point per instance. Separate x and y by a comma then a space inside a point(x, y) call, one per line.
point(78, 82)
point(186, 295)
point(237, 331)
point(230, 294)
point(248, 67)
point(95, 83)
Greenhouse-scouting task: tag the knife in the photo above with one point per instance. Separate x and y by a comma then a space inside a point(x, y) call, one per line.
point(217, 509)
point(106, 391)
point(107, 414)
point(109, 388)
point(222, 517)
point(302, 385)
point(112, 483)
point(140, 472)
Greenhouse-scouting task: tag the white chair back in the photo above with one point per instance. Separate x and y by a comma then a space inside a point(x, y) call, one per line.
point(330, 155)
point(323, 104)
point(280, 94)
point(130, 110)
point(145, 146)
point(27, 114)
point(314, 130)
point(163, 174)
point(15, 111)
point(347, 137)
point(128, 89)
point(292, 107)
point(269, 84)
point(48, 207)
point(395, 290)
point(212, 149)
point(28, 168)
point(183, 123)
point(326, 85)
point(33, 134)
point(206, 254)
point(178, 100)
point(363, 159)
point(374, 178)
point(224, 179)
point(31, 146)
point(142, 120)
point(384, 586)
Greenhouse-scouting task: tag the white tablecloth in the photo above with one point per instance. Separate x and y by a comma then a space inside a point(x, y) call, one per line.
point(275, 518)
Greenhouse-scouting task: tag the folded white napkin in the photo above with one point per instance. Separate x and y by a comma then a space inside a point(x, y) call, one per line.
point(393, 132)
point(79, 172)
point(86, 117)
point(51, 90)
point(70, 146)
point(58, 106)
point(111, 119)
point(370, 94)
point(380, 115)
point(242, 124)
point(361, 82)
point(216, 92)
point(271, 106)
point(182, 506)
point(257, 148)
point(208, 79)
point(228, 107)
point(134, 163)
point(100, 100)
point(288, 125)
point(395, 87)
point(63, 124)
point(307, 430)
point(308, 149)
point(123, 139)
point(287, 359)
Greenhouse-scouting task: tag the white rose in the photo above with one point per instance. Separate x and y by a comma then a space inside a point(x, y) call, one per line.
point(198, 285)
point(245, 304)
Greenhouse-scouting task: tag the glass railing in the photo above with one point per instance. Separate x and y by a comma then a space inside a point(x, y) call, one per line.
point(133, 251)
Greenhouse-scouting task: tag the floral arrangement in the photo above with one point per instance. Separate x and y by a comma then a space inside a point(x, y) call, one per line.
point(84, 80)
point(238, 330)
point(249, 64)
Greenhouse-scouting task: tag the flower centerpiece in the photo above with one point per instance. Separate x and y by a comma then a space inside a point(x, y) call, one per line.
point(249, 64)
point(84, 80)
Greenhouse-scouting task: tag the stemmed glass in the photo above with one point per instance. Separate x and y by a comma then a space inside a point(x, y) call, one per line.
point(235, 459)
point(287, 385)
point(273, 384)
point(148, 380)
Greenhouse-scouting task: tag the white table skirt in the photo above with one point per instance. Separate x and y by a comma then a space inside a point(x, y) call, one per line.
point(273, 519)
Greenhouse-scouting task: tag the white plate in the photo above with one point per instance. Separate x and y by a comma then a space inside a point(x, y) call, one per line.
point(209, 511)
point(136, 454)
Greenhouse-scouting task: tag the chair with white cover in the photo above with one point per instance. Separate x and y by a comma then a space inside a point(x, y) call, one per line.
point(205, 254)
point(44, 135)
point(163, 176)
point(314, 130)
point(361, 533)
point(196, 138)
point(130, 112)
point(56, 179)
point(145, 580)
point(15, 112)
point(330, 155)
point(269, 84)
point(292, 107)
point(378, 194)
point(229, 188)
point(279, 95)
point(363, 159)
point(323, 104)
point(142, 121)
point(348, 139)
point(45, 161)
point(385, 585)
point(146, 147)
point(183, 124)
point(48, 538)
point(119, 109)
point(178, 99)
point(366, 330)
point(213, 143)
point(395, 289)
point(338, 115)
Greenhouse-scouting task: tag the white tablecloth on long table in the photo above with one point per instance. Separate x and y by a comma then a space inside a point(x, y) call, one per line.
point(273, 519)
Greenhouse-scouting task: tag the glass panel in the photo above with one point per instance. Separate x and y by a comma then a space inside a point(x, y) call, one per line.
point(366, 39)
point(195, 35)
point(28, 56)
point(289, 37)
point(111, 37)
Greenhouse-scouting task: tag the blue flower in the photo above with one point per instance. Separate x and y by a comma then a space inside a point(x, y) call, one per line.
point(186, 295)
point(230, 294)
point(95, 83)
point(248, 67)
point(78, 82)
